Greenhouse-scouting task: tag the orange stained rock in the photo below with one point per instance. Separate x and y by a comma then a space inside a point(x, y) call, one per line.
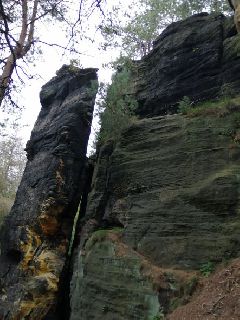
point(29, 247)
point(48, 219)
point(49, 225)
point(35, 307)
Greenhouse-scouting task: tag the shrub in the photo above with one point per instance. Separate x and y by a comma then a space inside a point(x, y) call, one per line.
point(117, 109)
point(219, 108)
point(207, 268)
point(160, 315)
point(190, 286)
point(184, 105)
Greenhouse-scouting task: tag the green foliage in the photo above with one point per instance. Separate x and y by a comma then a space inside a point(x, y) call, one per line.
point(207, 268)
point(5, 206)
point(221, 107)
point(190, 286)
point(11, 168)
point(160, 315)
point(134, 29)
point(232, 129)
point(121, 62)
point(93, 89)
point(6, 198)
point(175, 303)
point(12, 164)
point(184, 105)
point(189, 7)
point(74, 65)
point(183, 293)
point(117, 109)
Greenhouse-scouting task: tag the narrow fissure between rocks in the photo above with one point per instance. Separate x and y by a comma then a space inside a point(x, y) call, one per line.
point(62, 311)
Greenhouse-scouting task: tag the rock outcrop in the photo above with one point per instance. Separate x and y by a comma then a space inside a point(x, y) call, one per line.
point(172, 185)
point(157, 206)
point(195, 58)
point(35, 236)
point(109, 267)
point(169, 188)
point(173, 181)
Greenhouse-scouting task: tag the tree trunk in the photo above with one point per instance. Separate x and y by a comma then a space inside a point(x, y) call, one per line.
point(6, 76)
point(22, 46)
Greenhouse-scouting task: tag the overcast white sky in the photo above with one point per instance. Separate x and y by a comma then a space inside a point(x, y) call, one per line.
point(47, 65)
point(51, 60)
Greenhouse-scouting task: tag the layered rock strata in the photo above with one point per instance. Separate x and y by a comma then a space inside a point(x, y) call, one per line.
point(169, 187)
point(196, 57)
point(35, 236)
point(172, 187)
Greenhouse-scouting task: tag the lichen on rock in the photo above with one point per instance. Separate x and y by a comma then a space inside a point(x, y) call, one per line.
point(35, 235)
point(170, 182)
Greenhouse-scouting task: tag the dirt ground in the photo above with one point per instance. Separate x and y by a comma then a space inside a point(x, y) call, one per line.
point(216, 297)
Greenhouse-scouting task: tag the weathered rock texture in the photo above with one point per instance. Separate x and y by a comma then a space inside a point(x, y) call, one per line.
point(112, 277)
point(216, 297)
point(174, 181)
point(193, 58)
point(171, 183)
point(35, 236)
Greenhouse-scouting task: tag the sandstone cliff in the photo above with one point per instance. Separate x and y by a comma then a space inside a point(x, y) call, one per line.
point(165, 198)
point(35, 236)
point(193, 58)
point(157, 207)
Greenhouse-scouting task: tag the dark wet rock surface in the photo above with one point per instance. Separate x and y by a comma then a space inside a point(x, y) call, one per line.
point(35, 235)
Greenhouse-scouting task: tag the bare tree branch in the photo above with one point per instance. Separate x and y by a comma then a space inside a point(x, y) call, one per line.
point(18, 23)
point(5, 21)
point(31, 28)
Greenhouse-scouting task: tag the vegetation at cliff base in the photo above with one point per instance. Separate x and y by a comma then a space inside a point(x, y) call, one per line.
point(207, 268)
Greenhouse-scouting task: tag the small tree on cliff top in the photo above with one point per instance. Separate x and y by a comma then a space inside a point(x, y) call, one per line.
point(134, 29)
point(19, 24)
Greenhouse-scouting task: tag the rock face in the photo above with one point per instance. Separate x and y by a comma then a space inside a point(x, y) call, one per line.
point(174, 181)
point(171, 184)
point(193, 58)
point(109, 268)
point(163, 200)
point(35, 236)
